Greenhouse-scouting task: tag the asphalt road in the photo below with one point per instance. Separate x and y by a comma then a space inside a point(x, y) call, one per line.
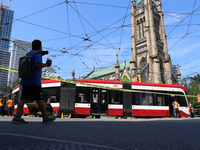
point(104, 133)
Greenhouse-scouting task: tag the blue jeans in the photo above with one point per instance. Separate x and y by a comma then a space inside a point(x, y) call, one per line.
point(176, 113)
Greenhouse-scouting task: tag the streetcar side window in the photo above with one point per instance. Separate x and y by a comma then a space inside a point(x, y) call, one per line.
point(159, 100)
point(116, 97)
point(83, 95)
point(51, 95)
point(181, 100)
point(142, 98)
point(146, 98)
point(135, 98)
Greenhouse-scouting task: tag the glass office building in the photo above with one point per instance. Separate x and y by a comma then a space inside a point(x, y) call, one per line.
point(6, 20)
point(18, 49)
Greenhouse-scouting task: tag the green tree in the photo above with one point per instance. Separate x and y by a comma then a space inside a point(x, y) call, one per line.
point(16, 83)
point(6, 89)
point(194, 89)
point(126, 79)
point(48, 71)
point(197, 78)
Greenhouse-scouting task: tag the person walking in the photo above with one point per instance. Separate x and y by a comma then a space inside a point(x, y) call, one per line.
point(191, 109)
point(1, 106)
point(175, 106)
point(10, 106)
point(31, 87)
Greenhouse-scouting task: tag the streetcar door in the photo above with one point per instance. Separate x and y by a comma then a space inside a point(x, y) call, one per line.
point(95, 101)
point(99, 104)
point(103, 101)
point(171, 111)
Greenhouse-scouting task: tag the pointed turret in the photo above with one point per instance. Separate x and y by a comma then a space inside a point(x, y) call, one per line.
point(117, 68)
point(179, 76)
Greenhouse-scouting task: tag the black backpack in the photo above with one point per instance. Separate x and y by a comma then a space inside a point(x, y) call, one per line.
point(24, 70)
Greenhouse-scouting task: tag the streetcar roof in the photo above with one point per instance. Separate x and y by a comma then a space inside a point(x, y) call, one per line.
point(99, 81)
point(132, 83)
point(158, 85)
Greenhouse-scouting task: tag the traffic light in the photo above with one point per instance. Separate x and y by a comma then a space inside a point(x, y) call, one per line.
point(138, 78)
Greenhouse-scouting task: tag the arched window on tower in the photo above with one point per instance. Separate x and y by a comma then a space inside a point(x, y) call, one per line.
point(143, 62)
point(143, 70)
point(162, 73)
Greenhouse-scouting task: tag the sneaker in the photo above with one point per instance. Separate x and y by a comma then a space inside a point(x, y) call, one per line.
point(19, 121)
point(49, 119)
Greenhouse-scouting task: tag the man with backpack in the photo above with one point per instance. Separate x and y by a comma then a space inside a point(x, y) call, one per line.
point(31, 84)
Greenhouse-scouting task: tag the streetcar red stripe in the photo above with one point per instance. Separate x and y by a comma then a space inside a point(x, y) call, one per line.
point(115, 112)
point(82, 111)
point(155, 113)
point(50, 81)
point(147, 113)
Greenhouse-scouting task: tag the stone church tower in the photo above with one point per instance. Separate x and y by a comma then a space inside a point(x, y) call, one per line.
point(150, 56)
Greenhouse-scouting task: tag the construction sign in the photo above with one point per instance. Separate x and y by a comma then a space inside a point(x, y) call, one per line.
point(198, 98)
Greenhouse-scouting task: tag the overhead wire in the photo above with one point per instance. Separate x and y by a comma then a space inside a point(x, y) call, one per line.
point(87, 38)
point(190, 61)
point(182, 21)
point(104, 5)
point(191, 16)
point(95, 42)
point(68, 25)
point(122, 27)
point(41, 11)
point(77, 54)
point(90, 24)
point(126, 8)
point(188, 26)
point(46, 28)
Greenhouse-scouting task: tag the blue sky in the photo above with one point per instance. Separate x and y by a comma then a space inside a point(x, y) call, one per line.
point(86, 34)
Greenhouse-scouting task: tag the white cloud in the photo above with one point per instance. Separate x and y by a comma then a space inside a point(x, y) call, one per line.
point(183, 52)
point(172, 18)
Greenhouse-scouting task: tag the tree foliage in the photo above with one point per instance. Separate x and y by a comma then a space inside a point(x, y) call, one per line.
point(194, 89)
point(126, 79)
point(6, 89)
point(49, 71)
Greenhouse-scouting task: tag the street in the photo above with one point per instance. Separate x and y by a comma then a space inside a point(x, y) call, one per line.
point(104, 133)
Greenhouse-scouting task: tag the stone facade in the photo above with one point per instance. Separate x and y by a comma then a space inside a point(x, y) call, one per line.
point(150, 57)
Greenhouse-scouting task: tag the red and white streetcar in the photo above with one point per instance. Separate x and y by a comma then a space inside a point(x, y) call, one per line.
point(147, 100)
